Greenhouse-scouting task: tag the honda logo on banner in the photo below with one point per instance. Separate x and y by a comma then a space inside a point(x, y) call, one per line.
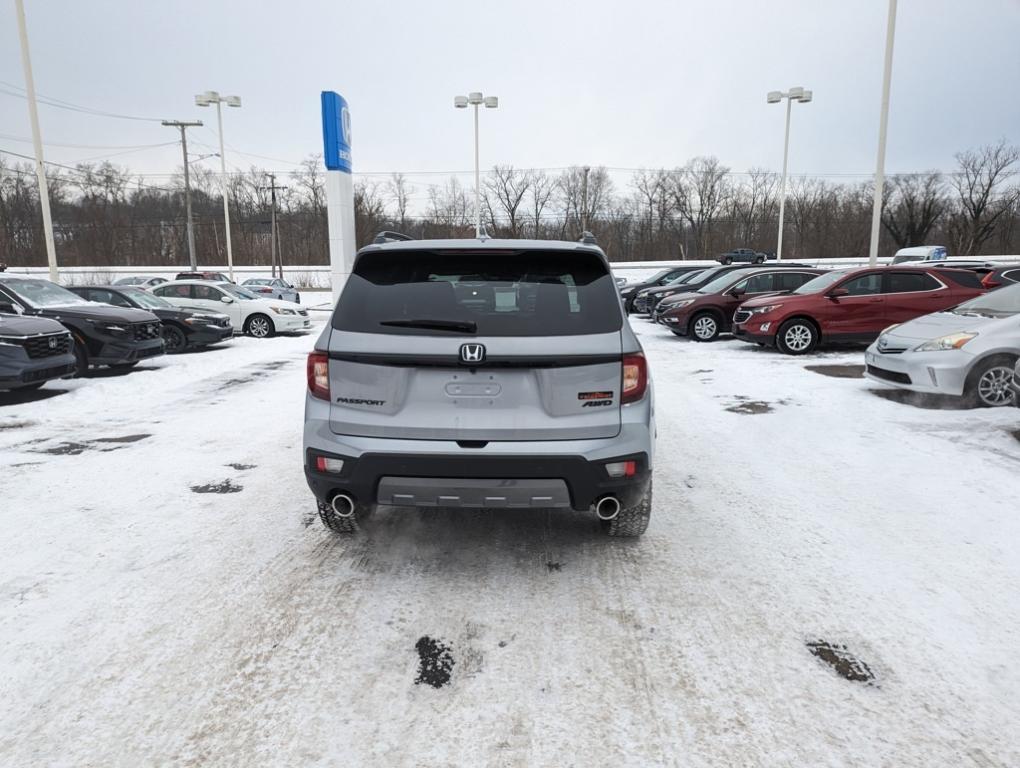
point(472, 353)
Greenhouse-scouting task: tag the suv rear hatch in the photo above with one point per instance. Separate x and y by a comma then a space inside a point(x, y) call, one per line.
point(477, 345)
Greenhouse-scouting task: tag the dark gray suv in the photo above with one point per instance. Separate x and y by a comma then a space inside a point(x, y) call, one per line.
point(33, 350)
point(484, 374)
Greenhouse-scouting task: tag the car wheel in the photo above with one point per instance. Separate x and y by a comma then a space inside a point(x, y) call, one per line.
point(797, 337)
point(727, 260)
point(338, 524)
point(759, 260)
point(173, 339)
point(81, 359)
point(988, 385)
point(705, 327)
point(632, 521)
point(259, 326)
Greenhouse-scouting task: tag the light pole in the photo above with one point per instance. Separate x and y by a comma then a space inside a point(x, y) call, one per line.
point(876, 205)
point(774, 97)
point(204, 100)
point(40, 169)
point(183, 126)
point(476, 99)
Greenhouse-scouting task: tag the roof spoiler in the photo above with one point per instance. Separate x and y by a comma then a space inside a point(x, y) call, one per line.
point(388, 236)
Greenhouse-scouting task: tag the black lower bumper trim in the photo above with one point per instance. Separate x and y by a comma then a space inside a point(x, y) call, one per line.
point(586, 480)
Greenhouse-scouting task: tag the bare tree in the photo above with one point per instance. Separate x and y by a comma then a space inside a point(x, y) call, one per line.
point(981, 200)
point(583, 200)
point(508, 187)
point(400, 192)
point(700, 189)
point(542, 189)
point(913, 205)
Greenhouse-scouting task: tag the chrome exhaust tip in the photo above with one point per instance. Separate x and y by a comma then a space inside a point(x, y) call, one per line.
point(343, 505)
point(607, 508)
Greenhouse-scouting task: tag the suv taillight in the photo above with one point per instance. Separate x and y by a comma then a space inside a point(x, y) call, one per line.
point(635, 378)
point(318, 375)
point(989, 282)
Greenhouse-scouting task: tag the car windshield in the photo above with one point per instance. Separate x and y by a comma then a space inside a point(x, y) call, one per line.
point(42, 293)
point(236, 290)
point(822, 282)
point(724, 281)
point(148, 300)
point(1001, 303)
point(690, 277)
point(509, 293)
point(130, 281)
point(258, 281)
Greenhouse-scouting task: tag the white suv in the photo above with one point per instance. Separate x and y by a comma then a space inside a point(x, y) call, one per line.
point(255, 316)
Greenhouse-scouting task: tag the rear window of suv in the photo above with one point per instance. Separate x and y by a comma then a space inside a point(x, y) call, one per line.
point(484, 293)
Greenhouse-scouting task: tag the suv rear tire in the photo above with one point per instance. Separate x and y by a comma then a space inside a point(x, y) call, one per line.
point(727, 260)
point(797, 336)
point(338, 524)
point(632, 521)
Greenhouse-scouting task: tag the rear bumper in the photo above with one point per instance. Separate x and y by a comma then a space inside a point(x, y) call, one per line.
point(464, 480)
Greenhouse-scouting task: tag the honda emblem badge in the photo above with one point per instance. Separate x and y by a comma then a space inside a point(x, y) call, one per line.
point(472, 353)
point(53, 342)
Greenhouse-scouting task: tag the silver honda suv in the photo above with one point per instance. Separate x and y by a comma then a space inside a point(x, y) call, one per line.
point(482, 374)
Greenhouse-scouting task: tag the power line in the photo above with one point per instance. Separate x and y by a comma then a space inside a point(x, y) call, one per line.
point(61, 104)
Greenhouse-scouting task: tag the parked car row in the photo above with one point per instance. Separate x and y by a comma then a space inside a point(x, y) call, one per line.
point(49, 332)
point(267, 288)
point(932, 328)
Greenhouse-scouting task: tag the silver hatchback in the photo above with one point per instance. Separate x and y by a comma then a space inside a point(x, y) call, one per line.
point(497, 374)
point(968, 351)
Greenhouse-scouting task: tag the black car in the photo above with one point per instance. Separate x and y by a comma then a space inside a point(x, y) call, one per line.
point(103, 335)
point(695, 282)
point(629, 292)
point(33, 350)
point(745, 256)
point(182, 328)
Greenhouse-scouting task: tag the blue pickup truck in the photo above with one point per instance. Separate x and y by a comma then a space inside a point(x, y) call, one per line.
point(748, 255)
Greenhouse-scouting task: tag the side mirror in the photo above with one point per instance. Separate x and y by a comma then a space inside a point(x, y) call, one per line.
point(737, 292)
point(10, 309)
point(835, 293)
point(226, 300)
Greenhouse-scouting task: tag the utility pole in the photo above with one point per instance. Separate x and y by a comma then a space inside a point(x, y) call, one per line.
point(584, 201)
point(40, 169)
point(273, 239)
point(183, 126)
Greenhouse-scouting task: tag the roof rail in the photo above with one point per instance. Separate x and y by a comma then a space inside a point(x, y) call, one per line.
point(387, 236)
point(588, 238)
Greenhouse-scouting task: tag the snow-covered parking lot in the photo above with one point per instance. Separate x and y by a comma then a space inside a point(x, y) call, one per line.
point(830, 578)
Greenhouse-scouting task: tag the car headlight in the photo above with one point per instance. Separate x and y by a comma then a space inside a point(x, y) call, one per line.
point(676, 304)
point(282, 311)
point(112, 329)
point(943, 343)
point(764, 310)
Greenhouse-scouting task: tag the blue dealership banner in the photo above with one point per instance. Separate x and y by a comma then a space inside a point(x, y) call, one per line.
point(336, 132)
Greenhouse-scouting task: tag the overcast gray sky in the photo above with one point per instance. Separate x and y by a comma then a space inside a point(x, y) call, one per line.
point(623, 84)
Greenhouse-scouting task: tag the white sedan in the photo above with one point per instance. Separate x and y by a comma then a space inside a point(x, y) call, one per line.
point(255, 316)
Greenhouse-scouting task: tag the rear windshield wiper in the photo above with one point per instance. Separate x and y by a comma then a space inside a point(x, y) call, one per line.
point(459, 326)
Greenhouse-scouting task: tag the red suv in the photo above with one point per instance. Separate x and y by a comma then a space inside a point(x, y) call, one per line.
point(851, 305)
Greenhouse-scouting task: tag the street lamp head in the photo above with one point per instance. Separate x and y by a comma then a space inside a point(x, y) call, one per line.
point(202, 101)
point(475, 97)
point(491, 102)
point(805, 97)
point(796, 92)
point(460, 102)
point(233, 101)
point(774, 97)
